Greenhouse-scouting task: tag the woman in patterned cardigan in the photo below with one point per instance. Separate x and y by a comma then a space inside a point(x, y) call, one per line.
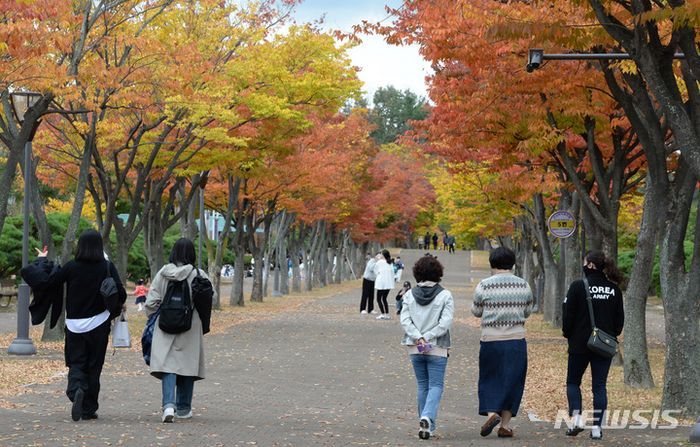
point(503, 301)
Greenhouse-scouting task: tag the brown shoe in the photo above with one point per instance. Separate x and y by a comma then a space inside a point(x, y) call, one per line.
point(505, 432)
point(490, 424)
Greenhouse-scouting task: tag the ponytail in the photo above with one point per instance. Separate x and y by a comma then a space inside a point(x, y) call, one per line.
point(607, 266)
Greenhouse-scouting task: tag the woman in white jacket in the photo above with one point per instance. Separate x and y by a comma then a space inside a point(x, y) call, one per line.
point(426, 318)
point(384, 282)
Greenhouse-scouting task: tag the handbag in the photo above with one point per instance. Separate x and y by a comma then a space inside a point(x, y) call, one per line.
point(120, 333)
point(110, 295)
point(600, 342)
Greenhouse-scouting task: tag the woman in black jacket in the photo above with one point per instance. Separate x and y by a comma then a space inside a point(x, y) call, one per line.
point(603, 281)
point(87, 317)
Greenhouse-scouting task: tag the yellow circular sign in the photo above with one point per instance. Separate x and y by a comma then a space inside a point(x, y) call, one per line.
point(562, 224)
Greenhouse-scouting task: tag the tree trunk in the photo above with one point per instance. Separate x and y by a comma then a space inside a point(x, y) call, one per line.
point(153, 239)
point(681, 299)
point(553, 295)
point(283, 266)
point(636, 361)
point(236, 298)
point(6, 180)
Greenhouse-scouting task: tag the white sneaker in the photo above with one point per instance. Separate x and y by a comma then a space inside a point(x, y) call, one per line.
point(380, 317)
point(424, 432)
point(374, 312)
point(364, 312)
point(387, 317)
point(168, 415)
point(188, 415)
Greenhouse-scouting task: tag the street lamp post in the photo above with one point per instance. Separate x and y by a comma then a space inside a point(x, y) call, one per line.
point(22, 345)
point(536, 56)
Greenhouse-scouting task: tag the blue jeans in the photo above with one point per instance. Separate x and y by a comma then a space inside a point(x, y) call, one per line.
point(430, 378)
point(177, 392)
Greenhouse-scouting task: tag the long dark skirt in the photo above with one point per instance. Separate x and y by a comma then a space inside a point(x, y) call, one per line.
point(502, 371)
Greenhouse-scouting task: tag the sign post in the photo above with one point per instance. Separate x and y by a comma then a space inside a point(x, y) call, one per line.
point(562, 224)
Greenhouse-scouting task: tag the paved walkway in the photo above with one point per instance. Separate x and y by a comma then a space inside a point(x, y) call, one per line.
point(320, 376)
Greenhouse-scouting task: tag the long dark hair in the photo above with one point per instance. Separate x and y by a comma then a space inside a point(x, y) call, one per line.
point(183, 252)
point(90, 247)
point(386, 255)
point(605, 265)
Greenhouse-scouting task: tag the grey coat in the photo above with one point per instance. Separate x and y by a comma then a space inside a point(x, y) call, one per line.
point(183, 353)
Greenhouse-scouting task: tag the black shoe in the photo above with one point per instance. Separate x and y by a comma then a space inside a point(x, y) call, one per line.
point(87, 417)
point(77, 410)
point(574, 431)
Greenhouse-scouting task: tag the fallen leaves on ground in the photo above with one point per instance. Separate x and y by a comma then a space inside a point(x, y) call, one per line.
point(545, 388)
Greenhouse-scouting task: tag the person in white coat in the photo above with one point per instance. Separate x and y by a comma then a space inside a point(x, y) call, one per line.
point(384, 282)
point(176, 359)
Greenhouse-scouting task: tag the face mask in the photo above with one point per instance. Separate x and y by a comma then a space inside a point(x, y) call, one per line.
point(588, 271)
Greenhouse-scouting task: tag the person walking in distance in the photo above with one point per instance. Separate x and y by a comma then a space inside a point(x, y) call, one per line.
point(140, 293)
point(177, 356)
point(435, 241)
point(426, 240)
point(398, 269)
point(87, 316)
point(426, 318)
point(503, 301)
point(384, 282)
point(452, 242)
point(368, 277)
point(603, 281)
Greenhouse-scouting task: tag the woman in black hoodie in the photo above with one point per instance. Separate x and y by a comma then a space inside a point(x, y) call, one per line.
point(603, 284)
point(87, 317)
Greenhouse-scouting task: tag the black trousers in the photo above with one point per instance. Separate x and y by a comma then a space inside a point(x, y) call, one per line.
point(600, 366)
point(85, 355)
point(381, 300)
point(367, 302)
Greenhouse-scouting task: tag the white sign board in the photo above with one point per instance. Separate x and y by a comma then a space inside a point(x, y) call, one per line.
point(562, 224)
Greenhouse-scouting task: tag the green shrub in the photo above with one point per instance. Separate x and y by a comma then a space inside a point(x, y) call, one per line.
point(11, 239)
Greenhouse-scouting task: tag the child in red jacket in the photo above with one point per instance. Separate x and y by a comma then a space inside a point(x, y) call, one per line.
point(140, 292)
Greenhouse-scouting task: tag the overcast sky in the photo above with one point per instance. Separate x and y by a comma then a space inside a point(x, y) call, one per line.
point(381, 64)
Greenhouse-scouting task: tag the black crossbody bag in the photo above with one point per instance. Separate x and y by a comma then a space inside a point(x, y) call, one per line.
point(600, 342)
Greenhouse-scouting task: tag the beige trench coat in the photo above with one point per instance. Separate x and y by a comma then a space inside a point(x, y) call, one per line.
point(182, 354)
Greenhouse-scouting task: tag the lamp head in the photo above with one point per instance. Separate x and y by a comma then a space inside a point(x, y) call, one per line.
point(22, 101)
point(534, 59)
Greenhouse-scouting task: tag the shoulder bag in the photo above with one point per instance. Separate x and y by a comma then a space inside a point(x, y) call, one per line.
point(600, 342)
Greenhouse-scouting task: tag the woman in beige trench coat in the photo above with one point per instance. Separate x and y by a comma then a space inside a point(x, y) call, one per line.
point(176, 359)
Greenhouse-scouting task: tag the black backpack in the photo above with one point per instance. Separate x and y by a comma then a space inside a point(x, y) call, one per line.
point(176, 308)
point(202, 295)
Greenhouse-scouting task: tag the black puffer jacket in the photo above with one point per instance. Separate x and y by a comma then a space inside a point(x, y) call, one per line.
point(608, 310)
